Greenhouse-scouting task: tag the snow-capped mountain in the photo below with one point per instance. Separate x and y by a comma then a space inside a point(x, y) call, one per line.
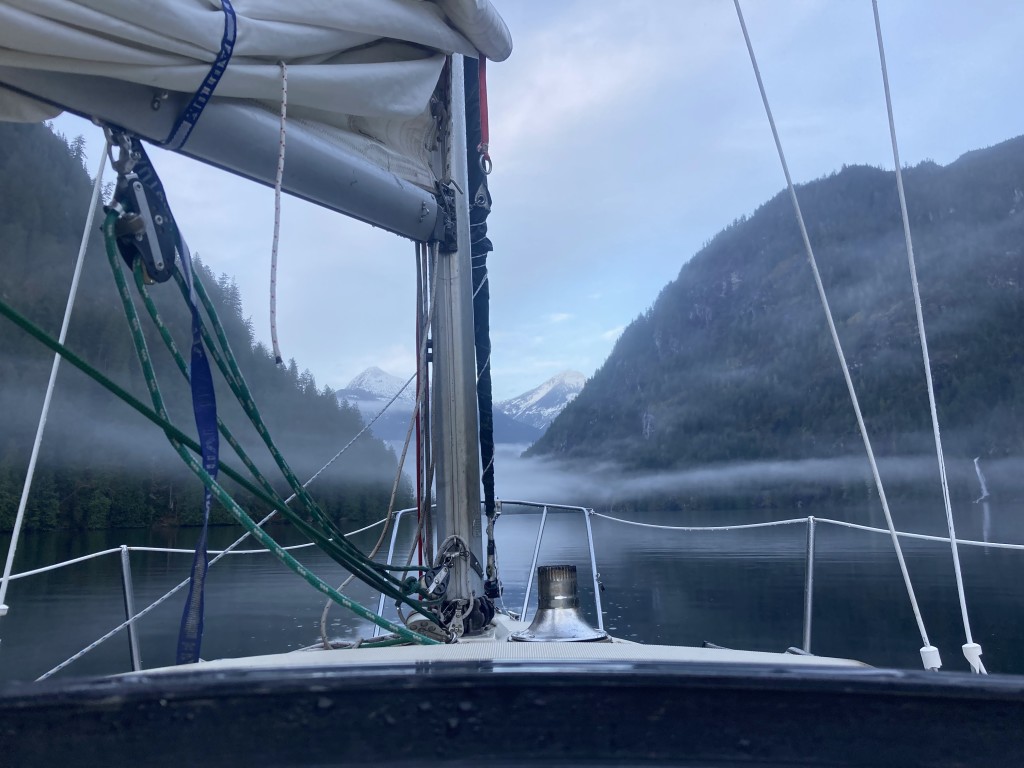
point(541, 405)
point(371, 390)
point(375, 384)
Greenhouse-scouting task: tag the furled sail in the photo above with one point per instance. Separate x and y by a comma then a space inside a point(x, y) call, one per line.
point(360, 76)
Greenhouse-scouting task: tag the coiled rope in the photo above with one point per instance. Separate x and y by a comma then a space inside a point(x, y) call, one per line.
point(929, 653)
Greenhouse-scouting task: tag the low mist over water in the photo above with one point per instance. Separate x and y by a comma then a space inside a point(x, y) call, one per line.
point(605, 485)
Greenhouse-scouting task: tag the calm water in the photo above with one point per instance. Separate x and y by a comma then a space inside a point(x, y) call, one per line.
point(739, 589)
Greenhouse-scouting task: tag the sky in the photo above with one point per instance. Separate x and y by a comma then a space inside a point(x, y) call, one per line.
point(624, 136)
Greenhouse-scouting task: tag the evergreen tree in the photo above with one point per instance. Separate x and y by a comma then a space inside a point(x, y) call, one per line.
point(101, 464)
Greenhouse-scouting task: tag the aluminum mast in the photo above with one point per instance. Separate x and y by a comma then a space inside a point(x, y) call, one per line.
point(454, 384)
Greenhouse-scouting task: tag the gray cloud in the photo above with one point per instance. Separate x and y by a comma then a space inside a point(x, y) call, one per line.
point(623, 137)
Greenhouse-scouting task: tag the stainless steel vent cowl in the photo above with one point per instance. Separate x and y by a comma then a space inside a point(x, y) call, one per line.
point(558, 616)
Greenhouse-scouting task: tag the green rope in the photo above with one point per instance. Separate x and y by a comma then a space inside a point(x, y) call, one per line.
point(328, 543)
point(75, 360)
point(219, 493)
point(272, 494)
point(183, 440)
point(331, 536)
point(236, 381)
point(241, 390)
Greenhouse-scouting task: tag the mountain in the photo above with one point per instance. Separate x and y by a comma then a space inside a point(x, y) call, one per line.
point(101, 464)
point(542, 404)
point(373, 388)
point(375, 384)
point(734, 362)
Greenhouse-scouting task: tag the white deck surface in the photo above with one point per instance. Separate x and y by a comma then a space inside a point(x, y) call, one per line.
point(494, 646)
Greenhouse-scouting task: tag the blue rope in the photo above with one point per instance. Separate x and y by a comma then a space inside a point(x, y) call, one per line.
point(190, 115)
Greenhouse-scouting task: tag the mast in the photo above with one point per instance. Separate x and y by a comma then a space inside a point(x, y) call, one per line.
point(454, 384)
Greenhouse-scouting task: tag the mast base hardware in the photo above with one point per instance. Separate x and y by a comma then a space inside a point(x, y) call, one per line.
point(445, 230)
point(493, 588)
point(479, 617)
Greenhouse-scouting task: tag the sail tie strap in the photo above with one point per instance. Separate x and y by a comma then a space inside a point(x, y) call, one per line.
point(929, 654)
point(190, 115)
point(204, 406)
point(972, 651)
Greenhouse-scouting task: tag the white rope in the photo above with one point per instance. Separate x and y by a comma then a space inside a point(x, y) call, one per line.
point(172, 551)
point(920, 536)
point(359, 434)
point(65, 564)
point(929, 654)
point(420, 398)
point(971, 649)
point(152, 606)
point(540, 505)
point(229, 549)
point(383, 533)
point(277, 215)
point(804, 521)
point(483, 368)
point(19, 518)
point(694, 528)
point(482, 283)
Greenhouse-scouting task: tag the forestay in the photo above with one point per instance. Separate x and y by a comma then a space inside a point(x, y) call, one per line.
point(361, 74)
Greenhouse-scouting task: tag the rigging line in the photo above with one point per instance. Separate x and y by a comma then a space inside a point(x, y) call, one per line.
point(482, 282)
point(160, 601)
point(352, 559)
point(19, 518)
point(929, 654)
point(277, 215)
point(128, 399)
point(971, 649)
point(383, 532)
point(704, 528)
point(425, 519)
point(208, 478)
point(420, 394)
point(359, 434)
point(151, 308)
point(249, 406)
point(420, 431)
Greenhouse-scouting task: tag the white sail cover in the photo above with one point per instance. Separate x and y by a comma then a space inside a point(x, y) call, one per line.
point(360, 73)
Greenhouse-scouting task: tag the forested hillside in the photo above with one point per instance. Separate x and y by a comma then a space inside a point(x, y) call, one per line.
point(733, 362)
point(103, 465)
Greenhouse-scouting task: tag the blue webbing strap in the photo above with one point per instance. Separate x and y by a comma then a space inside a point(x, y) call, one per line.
point(204, 404)
point(190, 115)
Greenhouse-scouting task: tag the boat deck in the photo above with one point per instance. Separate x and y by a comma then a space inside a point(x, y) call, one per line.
point(495, 646)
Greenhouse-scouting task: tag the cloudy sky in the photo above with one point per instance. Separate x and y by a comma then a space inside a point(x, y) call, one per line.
point(624, 135)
